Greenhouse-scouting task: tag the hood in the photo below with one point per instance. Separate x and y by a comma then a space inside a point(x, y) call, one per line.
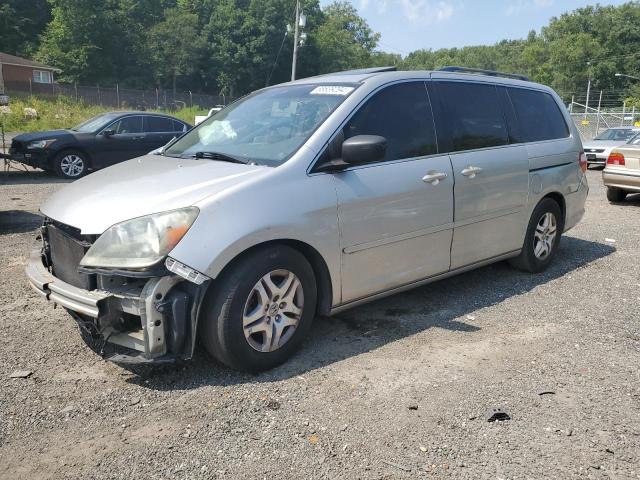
point(142, 186)
point(46, 135)
point(603, 143)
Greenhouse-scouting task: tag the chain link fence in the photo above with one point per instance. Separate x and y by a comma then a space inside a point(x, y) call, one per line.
point(117, 97)
point(591, 121)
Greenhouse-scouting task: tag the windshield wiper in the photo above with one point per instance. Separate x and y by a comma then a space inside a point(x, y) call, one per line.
point(223, 157)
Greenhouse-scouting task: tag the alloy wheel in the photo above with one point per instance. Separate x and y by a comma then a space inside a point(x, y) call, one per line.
point(544, 236)
point(72, 165)
point(272, 312)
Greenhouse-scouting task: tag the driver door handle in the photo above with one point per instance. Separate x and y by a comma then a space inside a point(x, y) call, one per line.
point(434, 177)
point(471, 171)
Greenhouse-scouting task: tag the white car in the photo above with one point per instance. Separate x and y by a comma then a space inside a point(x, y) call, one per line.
point(202, 118)
point(598, 149)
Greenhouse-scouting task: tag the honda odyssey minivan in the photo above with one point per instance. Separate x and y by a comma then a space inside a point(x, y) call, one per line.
point(306, 199)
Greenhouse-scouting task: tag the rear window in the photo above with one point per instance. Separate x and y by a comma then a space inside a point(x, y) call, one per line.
point(538, 114)
point(616, 134)
point(472, 116)
point(158, 124)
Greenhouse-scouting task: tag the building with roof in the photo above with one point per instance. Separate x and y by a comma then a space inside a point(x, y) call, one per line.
point(22, 70)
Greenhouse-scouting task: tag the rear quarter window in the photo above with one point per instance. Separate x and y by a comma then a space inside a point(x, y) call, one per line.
point(539, 116)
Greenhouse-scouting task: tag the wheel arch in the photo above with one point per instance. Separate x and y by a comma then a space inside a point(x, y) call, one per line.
point(315, 259)
point(560, 200)
point(72, 148)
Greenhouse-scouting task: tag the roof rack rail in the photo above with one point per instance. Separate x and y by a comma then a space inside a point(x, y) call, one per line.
point(365, 71)
point(490, 73)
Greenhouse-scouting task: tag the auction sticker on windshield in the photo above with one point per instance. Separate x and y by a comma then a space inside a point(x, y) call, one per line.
point(331, 90)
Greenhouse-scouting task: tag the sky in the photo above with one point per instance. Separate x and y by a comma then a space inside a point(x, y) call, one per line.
point(407, 25)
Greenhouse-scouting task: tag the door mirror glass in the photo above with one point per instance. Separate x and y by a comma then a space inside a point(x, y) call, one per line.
point(108, 133)
point(364, 149)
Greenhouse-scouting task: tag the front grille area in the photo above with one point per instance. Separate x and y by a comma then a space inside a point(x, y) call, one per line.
point(66, 249)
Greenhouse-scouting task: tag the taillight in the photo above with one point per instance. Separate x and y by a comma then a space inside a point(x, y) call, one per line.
point(582, 160)
point(615, 158)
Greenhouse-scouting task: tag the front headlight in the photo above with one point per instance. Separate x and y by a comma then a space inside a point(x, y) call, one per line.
point(40, 143)
point(141, 242)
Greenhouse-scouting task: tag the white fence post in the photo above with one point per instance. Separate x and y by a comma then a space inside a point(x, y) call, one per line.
point(598, 114)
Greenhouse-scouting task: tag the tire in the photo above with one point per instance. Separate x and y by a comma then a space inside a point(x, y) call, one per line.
point(236, 296)
point(71, 164)
point(540, 245)
point(616, 194)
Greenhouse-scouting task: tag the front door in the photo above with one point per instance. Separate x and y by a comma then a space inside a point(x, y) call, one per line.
point(395, 216)
point(126, 141)
point(491, 172)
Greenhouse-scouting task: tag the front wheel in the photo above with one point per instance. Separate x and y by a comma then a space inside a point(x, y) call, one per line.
point(70, 164)
point(259, 311)
point(616, 194)
point(542, 237)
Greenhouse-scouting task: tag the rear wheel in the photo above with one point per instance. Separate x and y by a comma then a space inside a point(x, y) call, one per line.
point(542, 238)
point(259, 311)
point(616, 194)
point(71, 164)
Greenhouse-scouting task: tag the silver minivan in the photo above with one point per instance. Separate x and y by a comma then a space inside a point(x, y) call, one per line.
point(308, 198)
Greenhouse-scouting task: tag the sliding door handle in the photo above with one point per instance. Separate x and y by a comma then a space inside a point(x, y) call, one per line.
point(434, 177)
point(471, 171)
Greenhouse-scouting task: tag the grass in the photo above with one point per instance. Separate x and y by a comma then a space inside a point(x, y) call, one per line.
point(64, 112)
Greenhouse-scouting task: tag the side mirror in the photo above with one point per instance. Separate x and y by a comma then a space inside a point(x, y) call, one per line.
point(364, 149)
point(108, 133)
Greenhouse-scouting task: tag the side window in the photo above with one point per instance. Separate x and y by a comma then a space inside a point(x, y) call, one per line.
point(158, 124)
point(128, 125)
point(402, 114)
point(472, 116)
point(179, 126)
point(539, 116)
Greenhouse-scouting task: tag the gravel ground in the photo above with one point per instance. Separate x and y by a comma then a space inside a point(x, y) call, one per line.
point(395, 389)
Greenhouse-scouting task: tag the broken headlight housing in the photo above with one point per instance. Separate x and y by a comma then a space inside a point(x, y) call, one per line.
point(141, 242)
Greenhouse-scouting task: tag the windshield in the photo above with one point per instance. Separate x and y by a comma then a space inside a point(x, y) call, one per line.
point(94, 124)
point(617, 134)
point(266, 127)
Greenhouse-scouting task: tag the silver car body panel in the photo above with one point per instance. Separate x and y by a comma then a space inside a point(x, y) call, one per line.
point(379, 228)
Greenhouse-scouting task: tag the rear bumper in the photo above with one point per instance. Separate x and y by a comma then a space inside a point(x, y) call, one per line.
point(625, 179)
point(597, 161)
point(160, 314)
point(599, 158)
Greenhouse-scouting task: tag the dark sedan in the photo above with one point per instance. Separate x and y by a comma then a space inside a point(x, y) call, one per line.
point(101, 141)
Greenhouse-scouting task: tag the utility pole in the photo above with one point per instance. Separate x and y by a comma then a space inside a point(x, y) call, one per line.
point(295, 41)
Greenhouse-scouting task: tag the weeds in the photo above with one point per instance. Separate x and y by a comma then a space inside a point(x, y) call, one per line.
point(64, 112)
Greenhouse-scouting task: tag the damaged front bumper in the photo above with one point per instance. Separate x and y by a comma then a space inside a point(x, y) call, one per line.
point(153, 319)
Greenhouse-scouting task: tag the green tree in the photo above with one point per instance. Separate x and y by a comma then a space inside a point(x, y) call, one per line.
point(21, 23)
point(344, 39)
point(175, 46)
point(86, 39)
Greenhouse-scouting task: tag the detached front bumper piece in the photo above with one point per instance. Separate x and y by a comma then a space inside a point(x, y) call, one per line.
point(73, 298)
point(154, 319)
